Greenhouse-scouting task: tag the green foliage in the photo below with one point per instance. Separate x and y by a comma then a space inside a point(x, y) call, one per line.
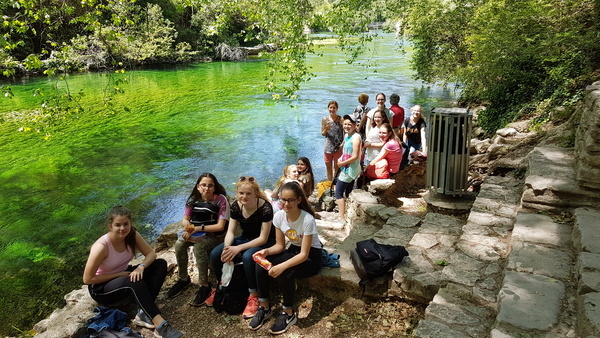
point(508, 55)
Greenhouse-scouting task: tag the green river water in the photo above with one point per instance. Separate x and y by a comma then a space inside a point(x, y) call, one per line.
point(182, 121)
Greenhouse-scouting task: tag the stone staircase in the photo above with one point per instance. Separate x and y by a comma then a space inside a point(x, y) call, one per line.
point(514, 267)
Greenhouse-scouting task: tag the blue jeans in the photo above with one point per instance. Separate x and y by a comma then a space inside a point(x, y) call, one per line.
point(249, 269)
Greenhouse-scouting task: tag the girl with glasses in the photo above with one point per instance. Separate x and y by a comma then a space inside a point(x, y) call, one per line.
point(301, 259)
point(253, 213)
point(204, 224)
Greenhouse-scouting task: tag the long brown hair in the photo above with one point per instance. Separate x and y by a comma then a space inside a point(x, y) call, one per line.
point(389, 128)
point(384, 117)
point(123, 211)
point(304, 205)
point(196, 196)
point(309, 185)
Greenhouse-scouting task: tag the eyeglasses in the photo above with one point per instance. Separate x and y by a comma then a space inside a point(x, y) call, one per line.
point(206, 186)
point(288, 200)
point(249, 178)
point(380, 100)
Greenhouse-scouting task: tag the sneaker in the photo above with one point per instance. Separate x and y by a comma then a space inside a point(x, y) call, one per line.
point(260, 317)
point(201, 295)
point(211, 298)
point(178, 287)
point(166, 331)
point(251, 307)
point(142, 319)
point(283, 323)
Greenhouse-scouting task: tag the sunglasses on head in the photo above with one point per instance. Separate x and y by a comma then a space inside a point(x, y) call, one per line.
point(249, 178)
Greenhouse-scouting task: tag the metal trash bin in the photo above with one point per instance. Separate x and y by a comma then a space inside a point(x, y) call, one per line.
point(448, 150)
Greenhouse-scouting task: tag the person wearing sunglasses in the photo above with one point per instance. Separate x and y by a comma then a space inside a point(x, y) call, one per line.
point(301, 259)
point(254, 214)
point(204, 224)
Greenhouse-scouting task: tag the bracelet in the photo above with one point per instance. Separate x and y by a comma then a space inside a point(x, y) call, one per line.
point(202, 229)
point(143, 265)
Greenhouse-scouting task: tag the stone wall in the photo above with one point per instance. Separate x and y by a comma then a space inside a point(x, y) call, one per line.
point(587, 142)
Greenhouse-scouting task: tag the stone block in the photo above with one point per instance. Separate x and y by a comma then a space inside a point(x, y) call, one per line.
point(379, 186)
point(403, 221)
point(539, 260)
point(479, 251)
point(586, 234)
point(389, 234)
point(425, 241)
point(540, 229)
point(589, 281)
point(529, 302)
point(387, 212)
point(588, 314)
point(418, 287)
point(429, 328)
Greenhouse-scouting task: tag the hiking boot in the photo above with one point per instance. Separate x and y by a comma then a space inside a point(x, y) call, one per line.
point(260, 317)
point(178, 287)
point(283, 323)
point(165, 330)
point(142, 319)
point(251, 307)
point(211, 298)
point(201, 295)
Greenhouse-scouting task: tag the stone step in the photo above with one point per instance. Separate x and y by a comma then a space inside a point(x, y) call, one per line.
point(586, 240)
point(536, 295)
point(551, 181)
point(465, 303)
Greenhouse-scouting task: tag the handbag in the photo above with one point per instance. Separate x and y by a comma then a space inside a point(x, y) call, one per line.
point(380, 170)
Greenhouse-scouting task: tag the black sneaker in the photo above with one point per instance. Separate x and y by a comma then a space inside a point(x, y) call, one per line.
point(201, 295)
point(260, 317)
point(178, 287)
point(283, 323)
point(166, 331)
point(142, 319)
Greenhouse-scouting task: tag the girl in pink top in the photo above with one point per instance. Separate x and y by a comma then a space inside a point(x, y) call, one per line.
point(111, 279)
point(391, 150)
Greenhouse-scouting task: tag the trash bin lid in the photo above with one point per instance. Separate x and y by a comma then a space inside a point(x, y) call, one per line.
point(451, 111)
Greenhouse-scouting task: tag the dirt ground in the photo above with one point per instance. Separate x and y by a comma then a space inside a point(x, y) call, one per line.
point(320, 315)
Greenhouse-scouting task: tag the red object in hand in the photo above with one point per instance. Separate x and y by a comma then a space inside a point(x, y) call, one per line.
point(263, 262)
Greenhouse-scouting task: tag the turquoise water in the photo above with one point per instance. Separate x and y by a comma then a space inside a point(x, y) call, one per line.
point(181, 121)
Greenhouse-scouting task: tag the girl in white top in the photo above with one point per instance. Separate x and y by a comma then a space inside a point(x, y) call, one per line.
point(373, 143)
point(302, 259)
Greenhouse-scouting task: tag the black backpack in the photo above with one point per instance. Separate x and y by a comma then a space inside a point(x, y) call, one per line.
point(233, 298)
point(371, 259)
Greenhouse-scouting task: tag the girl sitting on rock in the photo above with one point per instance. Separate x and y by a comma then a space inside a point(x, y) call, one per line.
point(301, 259)
point(254, 214)
point(204, 222)
point(111, 279)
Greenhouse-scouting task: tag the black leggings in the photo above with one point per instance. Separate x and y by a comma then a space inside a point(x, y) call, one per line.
point(310, 267)
point(144, 291)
